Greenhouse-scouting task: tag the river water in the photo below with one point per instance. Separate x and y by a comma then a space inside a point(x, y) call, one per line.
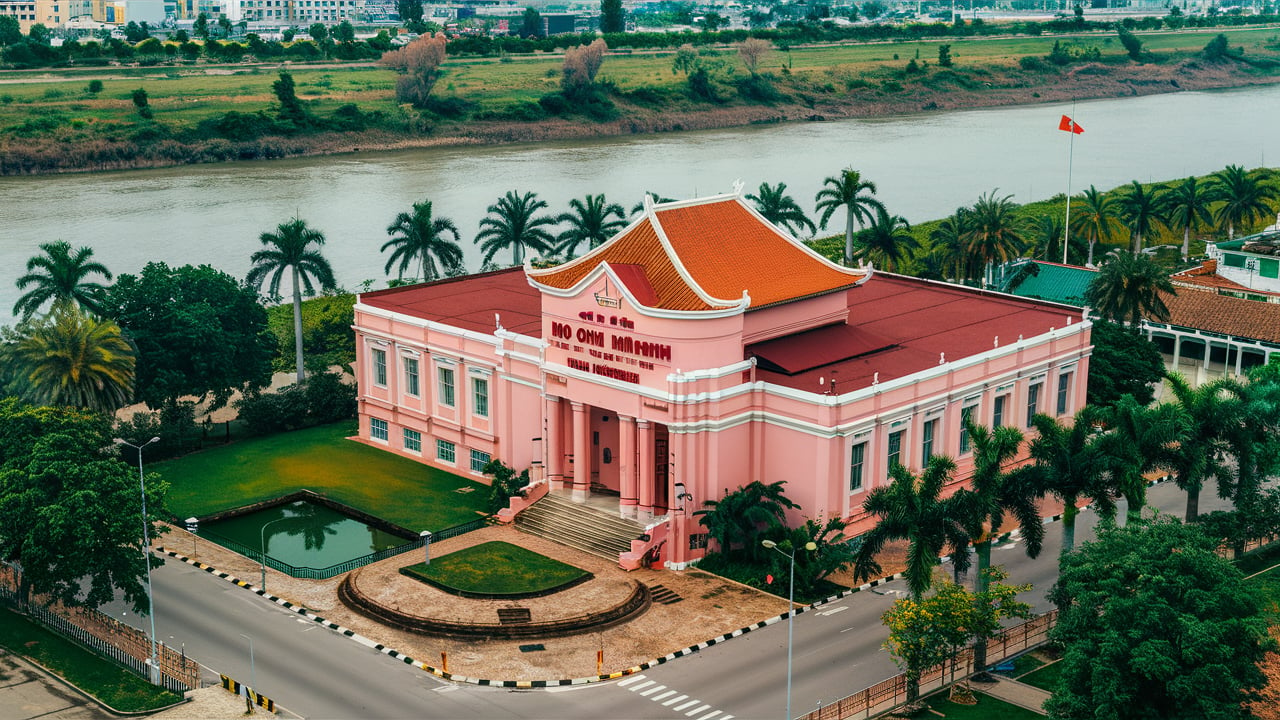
point(924, 165)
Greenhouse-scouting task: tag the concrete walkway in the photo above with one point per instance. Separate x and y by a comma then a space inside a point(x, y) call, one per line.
point(1015, 693)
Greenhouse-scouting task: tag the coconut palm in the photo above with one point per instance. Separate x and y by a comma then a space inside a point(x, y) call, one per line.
point(1244, 198)
point(849, 192)
point(1097, 219)
point(1186, 205)
point(592, 221)
point(781, 209)
point(1141, 440)
point(513, 223)
point(947, 241)
point(59, 276)
point(995, 233)
point(293, 249)
point(71, 359)
point(1070, 463)
point(1140, 212)
point(912, 508)
point(421, 236)
point(1129, 286)
point(887, 241)
point(742, 516)
point(1211, 412)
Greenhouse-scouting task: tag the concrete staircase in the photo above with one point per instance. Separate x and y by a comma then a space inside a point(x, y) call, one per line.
point(561, 520)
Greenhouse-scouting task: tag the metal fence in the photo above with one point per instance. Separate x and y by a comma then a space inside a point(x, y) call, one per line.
point(310, 573)
point(106, 637)
point(889, 694)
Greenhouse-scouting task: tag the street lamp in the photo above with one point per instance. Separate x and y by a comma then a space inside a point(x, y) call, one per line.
point(262, 538)
point(791, 618)
point(426, 546)
point(146, 557)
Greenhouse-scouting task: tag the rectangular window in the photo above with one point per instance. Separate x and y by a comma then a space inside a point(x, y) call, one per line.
point(411, 376)
point(965, 415)
point(997, 411)
point(378, 429)
point(698, 541)
point(445, 451)
point(412, 440)
point(480, 397)
point(446, 386)
point(379, 367)
point(1033, 402)
point(479, 460)
point(894, 456)
point(1064, 389)
point(857, 455)
point(929, 430)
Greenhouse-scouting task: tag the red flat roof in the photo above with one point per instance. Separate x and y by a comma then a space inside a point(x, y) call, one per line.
point(469, 302)
point(899, 326)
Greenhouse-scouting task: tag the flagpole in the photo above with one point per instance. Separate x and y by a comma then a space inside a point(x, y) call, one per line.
point(1071, 148)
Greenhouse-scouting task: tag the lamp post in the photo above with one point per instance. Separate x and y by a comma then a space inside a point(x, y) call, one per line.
point(146, 558)
point(791, 617)
point(262, 538)
point(426, 546)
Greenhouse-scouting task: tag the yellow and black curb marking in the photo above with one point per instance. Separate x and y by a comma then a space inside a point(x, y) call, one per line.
point(236, 688)
point(569, 681)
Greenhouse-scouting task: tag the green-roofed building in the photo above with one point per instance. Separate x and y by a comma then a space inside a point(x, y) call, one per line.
point(1045, 281)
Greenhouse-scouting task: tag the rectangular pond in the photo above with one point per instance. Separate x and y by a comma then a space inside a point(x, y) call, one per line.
point(301, 536)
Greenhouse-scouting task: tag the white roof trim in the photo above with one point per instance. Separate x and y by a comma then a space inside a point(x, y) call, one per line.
point(605, 269)
point(679, 266)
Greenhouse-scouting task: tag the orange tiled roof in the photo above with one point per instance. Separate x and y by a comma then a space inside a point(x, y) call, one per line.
point(1204, 277)
point(725, 249)
point(1225, 314)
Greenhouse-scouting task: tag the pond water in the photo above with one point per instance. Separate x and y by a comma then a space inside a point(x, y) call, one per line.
point(302, 534)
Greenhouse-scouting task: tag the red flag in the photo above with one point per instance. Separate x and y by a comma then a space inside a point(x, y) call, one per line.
point(768, 579)
point(1069, 125)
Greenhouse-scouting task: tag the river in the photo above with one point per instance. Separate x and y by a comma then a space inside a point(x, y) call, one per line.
point(924, 165)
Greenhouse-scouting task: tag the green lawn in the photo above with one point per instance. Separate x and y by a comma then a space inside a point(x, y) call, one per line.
point(1046, 678)
point(101, 678)
point(988, 708)
point(321, 459)
point(1022, 665)
point(497, 568)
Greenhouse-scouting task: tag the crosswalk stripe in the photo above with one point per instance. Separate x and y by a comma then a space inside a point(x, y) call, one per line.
point(630, 680)
point(657, 698)
point(675, 700)
point(710, 715)
point(691, 713)
point(642, 686)
point(652, 690)
point(679, 708)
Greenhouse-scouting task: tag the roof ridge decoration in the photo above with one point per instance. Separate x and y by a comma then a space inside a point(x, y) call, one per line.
point(685, 275)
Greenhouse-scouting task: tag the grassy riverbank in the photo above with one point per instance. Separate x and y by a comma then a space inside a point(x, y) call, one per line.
point(50, 121)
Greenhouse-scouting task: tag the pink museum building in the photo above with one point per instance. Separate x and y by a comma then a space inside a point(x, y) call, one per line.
point(698, 350)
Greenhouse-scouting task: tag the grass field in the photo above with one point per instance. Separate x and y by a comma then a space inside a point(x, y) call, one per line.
point(1046, 678)
point(101, 678)
point(321, 459)
point(988, 708)
point(497, 568)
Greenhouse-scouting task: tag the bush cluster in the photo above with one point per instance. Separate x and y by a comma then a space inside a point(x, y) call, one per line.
point(321, 399)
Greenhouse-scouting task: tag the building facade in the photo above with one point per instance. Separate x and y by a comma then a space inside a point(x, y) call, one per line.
point(697, 351)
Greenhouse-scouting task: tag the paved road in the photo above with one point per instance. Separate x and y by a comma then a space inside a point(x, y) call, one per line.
point(320, 674)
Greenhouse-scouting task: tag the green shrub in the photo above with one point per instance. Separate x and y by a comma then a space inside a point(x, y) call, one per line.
point(95, 87)
point(758, 88)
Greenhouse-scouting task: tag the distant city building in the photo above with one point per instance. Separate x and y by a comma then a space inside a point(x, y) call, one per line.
point(1252, 263)
point(50, 13)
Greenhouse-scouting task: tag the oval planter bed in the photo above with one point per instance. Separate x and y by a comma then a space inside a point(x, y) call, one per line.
point(497, 571)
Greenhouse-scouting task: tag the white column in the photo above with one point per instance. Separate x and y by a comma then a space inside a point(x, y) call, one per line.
point(1239, 356)
point(581, 452)
point(1177, 350)
point(647, 469)
point(630, 497)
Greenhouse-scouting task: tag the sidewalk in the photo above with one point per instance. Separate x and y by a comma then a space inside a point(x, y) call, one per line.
point(1015, 693)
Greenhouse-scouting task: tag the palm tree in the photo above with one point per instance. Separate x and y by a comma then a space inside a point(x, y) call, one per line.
point(1097, 218)
point(888, 241)
point(59, 276)
point(781, 209)
point(994, 233)
point(847, 191)
point(911, 508)
point(423, 237)
point(294, 249)
point(1244, 198)
point(70, 359)
point(1129, 286)
point(592, 221)
point(512, 223)
point(657, 200)
point(1141, 439)
point(1070, 463)
point(1141, 212)
point(1211, 412)
point(742, 515)
point(947, 240)
point(1186, 205)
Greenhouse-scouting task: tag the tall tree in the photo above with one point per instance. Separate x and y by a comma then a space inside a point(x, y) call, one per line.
point(531, 25)
point(59, 277)
point(849, 192)
point(513, 223)
point(1211, 412)
point(294, 249)
point(1140, 210)
point(947, 240)
point(613, 19)
point(995, 232)
point(418, 65)
point(1140, 441)
point(1071, 463)
point(887, 241)
point(1186, 205)
point(1245, 199)
point(1124, 362)
point(912, 508)
point(743, 516)
point(1129, 286)
point(779, 208)
point(592, 220)
point(421, 236)
point(70, 359)
point(1097, 218)
point(1154, 624)
point(410, 11)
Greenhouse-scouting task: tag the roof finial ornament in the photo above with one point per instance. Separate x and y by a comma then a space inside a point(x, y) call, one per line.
point(1068, 320)
point(497, 321)
point(648, 203)
point(997, 343)
point(1019, 337)
point(875, 379)
point(942, 358)
point(738, 185)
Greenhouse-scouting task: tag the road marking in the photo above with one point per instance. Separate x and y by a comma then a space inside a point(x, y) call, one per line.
point(642, 685)
point(447, 688)
point(834, 610)
point(846, 630)
point(658, 698)
point(675, 700)
point(710, 715)
point(688, 704)
point(631, 680)
point(652, 690)
point(691, 713)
